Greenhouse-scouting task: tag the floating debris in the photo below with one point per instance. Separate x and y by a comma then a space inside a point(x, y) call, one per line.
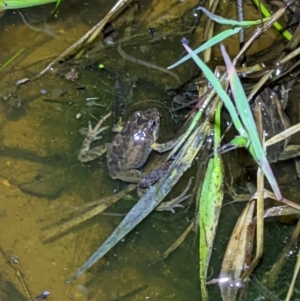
point(22, 81)
point(42, 296)
point(72, 74)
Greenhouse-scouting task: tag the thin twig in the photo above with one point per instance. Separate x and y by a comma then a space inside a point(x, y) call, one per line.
point(179, 241)
point(295, 275)
point(118, 7)
point(103, 205)
point(17, 272)
point(132, 59)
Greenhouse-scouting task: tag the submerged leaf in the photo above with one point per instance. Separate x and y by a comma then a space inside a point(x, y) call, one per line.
point(153, 197)
point(210, 203)
point(237, 254)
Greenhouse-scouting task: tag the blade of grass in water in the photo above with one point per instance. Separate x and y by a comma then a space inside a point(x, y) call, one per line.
point(210, 43)
point(221, 36)
point(153, 196)
point(219, 89)
point(57, 5)
point(277, 25)
point(211, 198)
point(15, 4)
point(257, 148)
point(11, 59)
point(248, 121)
point(231, 22)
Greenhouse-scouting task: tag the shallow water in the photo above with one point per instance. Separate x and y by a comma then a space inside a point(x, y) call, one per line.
point(41, 180)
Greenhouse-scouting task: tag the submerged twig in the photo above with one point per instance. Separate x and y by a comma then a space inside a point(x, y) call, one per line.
point(5, 64)
point(179, 241)
point(89, 35)
point(132, 59)
point(17, 273)
point(104, 204)
point(130, 295)
point(295, 275)
point(271, 275)
point(259, 225)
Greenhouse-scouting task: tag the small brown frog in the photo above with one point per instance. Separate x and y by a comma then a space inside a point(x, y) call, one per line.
point(130, 148)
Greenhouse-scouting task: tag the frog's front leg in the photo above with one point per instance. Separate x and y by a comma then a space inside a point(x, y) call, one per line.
point(85, 153)
point(164, 147)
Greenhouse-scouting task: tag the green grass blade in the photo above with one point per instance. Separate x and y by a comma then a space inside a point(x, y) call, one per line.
point(224, 21)
point(219, 89)
point(248, 121)
point(277, 25)
point(221, 36)
point(209, 212)
point(15, 4)
point(208, 44)
point(211, 198)
point(239, 142)
point(11, 59)
point(58, 2)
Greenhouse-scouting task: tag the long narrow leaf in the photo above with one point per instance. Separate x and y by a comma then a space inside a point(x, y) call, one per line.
point(15, 4)
point(152, 198)
point(210, 43)
point(219, 89)
point(210, 207)
point(231, 22)
point(249, 123)
point(11, 59)
point(57, 5)
point(238, 248)
point(277, 25)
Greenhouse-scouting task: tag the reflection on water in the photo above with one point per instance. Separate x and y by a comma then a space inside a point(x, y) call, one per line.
point(41, 179)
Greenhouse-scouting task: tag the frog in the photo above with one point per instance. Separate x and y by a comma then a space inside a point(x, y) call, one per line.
point(268, 111)
point(131, 146)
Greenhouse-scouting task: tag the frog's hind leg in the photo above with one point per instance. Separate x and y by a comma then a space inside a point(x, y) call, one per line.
point(176, 202)
point(85, 153)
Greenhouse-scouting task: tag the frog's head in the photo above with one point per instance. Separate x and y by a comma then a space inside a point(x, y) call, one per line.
point(146, 124)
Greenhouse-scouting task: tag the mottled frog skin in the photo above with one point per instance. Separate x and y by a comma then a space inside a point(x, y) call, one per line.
point(129, 149)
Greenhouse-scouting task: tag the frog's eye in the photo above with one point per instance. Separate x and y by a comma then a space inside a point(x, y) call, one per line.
point(151, 123)
point(135, 117)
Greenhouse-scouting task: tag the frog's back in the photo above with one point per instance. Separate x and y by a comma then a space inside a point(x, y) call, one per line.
point(131, 147)
point(124, 154)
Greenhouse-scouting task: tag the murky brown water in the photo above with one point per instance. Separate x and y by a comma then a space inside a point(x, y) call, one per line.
point(41, 179)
